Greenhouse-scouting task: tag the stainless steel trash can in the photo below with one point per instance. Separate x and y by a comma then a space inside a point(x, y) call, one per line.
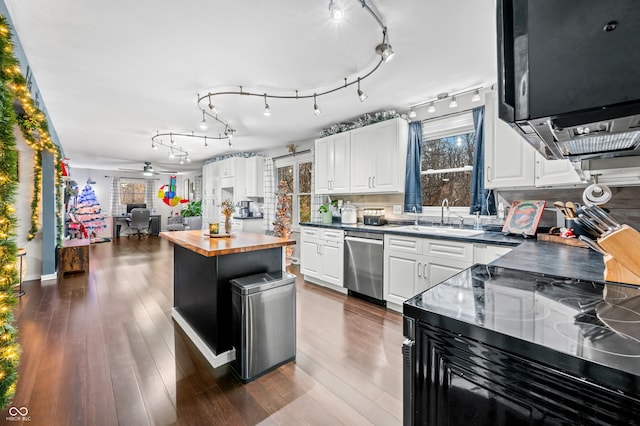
point(264, 323)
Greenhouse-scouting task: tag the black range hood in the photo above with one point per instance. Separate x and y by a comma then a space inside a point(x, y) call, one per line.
point(569, 75)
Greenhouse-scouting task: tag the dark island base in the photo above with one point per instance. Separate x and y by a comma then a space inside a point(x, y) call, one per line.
point(202, 292)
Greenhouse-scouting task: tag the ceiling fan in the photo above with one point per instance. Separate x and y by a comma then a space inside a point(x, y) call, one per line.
point(148, 170)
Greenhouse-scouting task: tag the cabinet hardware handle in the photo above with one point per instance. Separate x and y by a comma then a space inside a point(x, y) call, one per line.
point(419, 269)
point(424, 270)
point(373, 182)
point(489, 174)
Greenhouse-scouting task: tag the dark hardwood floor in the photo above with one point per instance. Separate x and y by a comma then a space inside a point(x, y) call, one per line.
point(102, 349)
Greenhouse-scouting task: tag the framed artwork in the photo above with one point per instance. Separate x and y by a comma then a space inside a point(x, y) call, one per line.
point(524, 217)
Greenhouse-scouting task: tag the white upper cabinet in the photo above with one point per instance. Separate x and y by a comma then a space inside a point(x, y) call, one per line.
point(332, 164)
point(254, 176)
point(510, 162)
point(555, 172)
point(378, 157)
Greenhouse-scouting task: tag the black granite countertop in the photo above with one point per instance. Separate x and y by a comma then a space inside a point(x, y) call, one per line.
point(488, 237)
point(529, 254)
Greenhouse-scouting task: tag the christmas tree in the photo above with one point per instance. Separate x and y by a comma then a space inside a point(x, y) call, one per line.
point(282, 224)
point(88, 213)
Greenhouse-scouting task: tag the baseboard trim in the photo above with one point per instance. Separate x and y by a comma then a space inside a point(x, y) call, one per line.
point(211, 357)
point(48, 277)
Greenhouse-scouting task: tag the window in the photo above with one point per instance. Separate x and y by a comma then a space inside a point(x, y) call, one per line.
point(132, 192)
point(447, 160)
point(296, 172)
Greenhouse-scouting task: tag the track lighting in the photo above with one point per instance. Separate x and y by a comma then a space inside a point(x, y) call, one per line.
point(316, 108)
point(453, 103)
point(363, 96)
point(206, 144)
point(412, 113)
point(267, 110)
point(154, 146)
point(335, 11)
point(203, 123)
point(171, 139)
point(432, 108)
point(230, 143)
point(188, 158)
point(476, 96)
point(181, 160)
point(171, 154)
point(384, 50)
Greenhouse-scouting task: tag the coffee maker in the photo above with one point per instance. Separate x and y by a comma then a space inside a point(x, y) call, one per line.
point(244, 209)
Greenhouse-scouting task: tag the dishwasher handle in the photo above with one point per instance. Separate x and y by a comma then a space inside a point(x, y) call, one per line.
point(364, 240)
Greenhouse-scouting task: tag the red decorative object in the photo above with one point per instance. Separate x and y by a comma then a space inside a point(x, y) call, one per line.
point(65, 166)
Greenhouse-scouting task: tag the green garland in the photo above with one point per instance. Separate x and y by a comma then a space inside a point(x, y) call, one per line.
point(33, 125)
point(9, 349)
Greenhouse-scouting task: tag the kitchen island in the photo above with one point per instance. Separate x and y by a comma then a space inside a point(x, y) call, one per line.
point(202, 270)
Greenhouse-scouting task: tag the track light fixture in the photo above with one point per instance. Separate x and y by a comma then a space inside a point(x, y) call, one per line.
point(203, 123)
point(267, 110)
point(453, 99)
point(363, 96)
point(412, 113)
point(335, 11)
point(175, 150)
point(383, 49)
point(316, 108)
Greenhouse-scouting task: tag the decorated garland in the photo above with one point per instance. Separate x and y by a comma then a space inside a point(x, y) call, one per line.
point(9, 349)
point(33, 125)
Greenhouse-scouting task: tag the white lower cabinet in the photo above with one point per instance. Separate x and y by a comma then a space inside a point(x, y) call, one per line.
point(412, 265)
point(322, 254)
point(484, 253)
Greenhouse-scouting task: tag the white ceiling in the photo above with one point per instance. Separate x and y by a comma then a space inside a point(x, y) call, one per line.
point(112, 73)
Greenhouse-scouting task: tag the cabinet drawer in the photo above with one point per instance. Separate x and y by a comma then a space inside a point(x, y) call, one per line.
point(448, 249)
point(311, 232)
point(332, 234)
point(403, 244)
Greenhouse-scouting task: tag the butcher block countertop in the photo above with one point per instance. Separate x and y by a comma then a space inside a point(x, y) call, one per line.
point(198, 242)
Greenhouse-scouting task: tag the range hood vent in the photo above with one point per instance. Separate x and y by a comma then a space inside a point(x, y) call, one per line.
point(568, 80)
point(619, 171)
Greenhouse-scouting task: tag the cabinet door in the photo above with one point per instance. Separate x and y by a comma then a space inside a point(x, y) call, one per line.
point(254, 177)
point(362, 151)
point(386, 160)
point(332, 258)
point(403, 276)
point(508, 158)
point(341, 163)
point(486, 254)
point(555, 172)
point(437, 270)
point(323, 166)
point(310, 259)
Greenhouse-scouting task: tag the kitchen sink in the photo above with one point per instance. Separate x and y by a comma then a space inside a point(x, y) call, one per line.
point(439, 231)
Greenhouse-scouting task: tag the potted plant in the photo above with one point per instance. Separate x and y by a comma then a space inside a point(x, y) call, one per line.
point(326, 211)
point(192, 215)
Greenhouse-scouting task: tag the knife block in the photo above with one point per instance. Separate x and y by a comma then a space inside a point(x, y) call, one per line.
point(622, 263)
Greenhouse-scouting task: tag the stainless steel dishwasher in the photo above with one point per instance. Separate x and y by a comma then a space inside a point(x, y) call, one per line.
point(363, 264)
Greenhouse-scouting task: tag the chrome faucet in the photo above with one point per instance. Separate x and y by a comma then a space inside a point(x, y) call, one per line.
point(415, 224)
point(444, 201)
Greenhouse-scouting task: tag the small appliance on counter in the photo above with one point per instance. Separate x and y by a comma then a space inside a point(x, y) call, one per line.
point(349, 214)
point(374, 216)
point(244, 209)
